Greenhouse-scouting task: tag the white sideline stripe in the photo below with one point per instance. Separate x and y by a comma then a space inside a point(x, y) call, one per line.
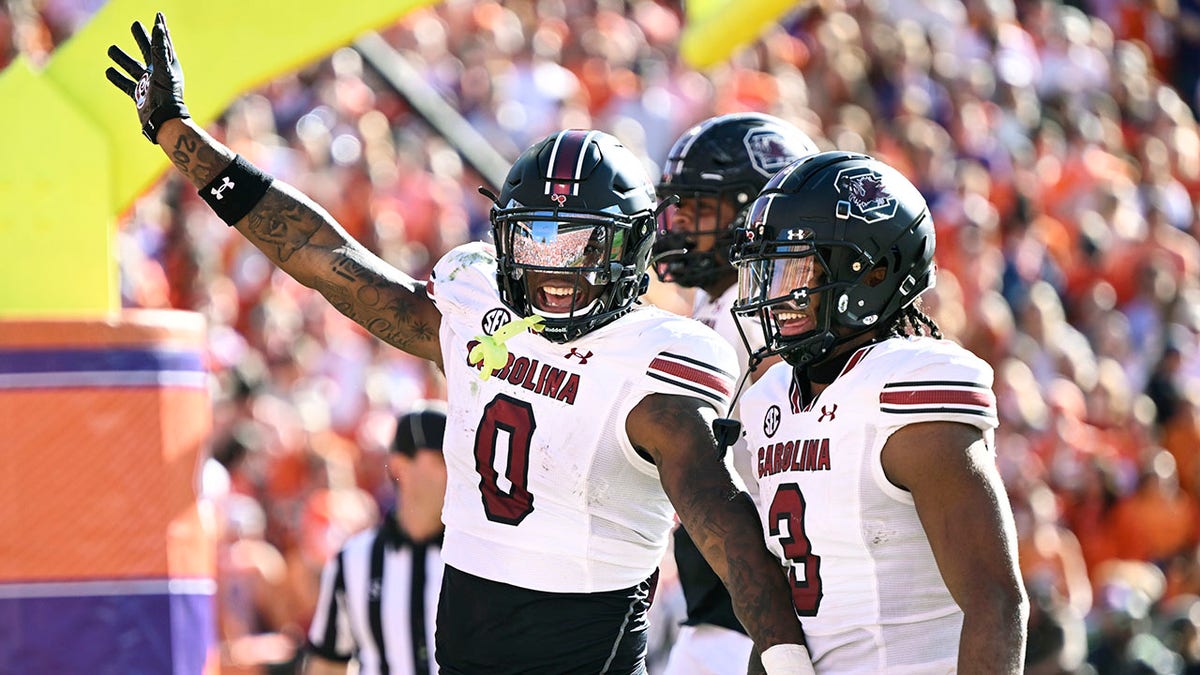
point(101, 378)
point(68, 589)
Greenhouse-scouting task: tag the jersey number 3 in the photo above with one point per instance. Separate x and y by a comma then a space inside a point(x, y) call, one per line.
point(788, 506)
point(515, 418)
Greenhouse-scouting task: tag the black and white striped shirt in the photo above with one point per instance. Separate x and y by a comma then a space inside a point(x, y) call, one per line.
point(370, 593)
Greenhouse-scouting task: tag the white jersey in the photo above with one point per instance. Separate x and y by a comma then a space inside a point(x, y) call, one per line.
point(866, 585)
point(545, 490)
point(717, 314)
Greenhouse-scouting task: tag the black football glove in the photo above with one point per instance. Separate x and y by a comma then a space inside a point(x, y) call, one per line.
point(157, 87)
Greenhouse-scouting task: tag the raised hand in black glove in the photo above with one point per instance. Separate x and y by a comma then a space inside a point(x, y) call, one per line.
point(156, 87)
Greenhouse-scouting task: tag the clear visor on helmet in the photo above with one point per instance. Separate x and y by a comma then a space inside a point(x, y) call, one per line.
point(554, 245)
point(773, 277)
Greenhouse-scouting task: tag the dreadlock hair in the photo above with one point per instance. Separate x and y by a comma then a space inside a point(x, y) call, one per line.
point(910, 322)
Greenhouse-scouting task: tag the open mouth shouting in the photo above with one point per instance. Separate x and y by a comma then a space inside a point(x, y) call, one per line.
point(793, 322)
point(560, 295)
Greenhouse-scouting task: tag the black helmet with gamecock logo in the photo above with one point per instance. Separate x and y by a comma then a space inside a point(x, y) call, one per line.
point(717, 167)
point(842, 225)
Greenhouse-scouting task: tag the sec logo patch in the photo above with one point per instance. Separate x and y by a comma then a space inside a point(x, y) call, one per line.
point(771, 421)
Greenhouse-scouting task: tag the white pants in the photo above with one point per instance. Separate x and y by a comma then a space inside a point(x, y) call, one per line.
point(708, 650)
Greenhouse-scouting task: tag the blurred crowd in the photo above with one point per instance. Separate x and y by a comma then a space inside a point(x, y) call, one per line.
point(1056, 142)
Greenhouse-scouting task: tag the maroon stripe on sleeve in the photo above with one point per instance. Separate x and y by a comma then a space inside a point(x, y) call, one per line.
point(694, 375)
point(927, 397)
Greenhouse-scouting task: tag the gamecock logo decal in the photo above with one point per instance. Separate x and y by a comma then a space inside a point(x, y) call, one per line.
point(864, 196)
point(768, 152)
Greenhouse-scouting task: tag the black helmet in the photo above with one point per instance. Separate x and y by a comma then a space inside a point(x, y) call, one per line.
point(577, 204)
point(720, 164)
point(823, 225)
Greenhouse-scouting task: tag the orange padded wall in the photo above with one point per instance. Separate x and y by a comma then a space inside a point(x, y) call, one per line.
point(105, 561)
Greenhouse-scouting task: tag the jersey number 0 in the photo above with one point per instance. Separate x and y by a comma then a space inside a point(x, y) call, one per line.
point(515, 418)
point(788, 506)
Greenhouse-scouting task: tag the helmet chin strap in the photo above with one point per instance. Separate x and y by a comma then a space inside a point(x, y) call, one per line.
point(827, 369)
point(727, 430)
point(818, 348)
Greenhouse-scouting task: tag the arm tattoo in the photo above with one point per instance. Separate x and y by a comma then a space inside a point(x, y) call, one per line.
point(198, 161)
point(357, 283)
point(304, 241)
point(376, 304)
point(721, 520)
point(281, 223)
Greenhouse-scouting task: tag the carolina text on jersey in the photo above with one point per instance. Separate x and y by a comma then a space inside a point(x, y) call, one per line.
point(810, 454)
point(540, 378)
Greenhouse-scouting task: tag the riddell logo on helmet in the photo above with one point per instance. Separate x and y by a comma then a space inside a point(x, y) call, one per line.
point(864, 196)
point(561, 200)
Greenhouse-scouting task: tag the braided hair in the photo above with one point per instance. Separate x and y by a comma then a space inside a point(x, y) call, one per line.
point(910, 322)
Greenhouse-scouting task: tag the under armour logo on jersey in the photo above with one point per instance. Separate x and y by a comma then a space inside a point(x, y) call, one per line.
point(771, 421)
point(559, 199)
point(828, 411)
point(583, 358)
point(494, 319)
point(226, 184)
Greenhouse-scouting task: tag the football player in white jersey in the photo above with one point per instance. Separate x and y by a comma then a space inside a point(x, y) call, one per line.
point(715, 170)
point(873, 443)
point(578, 422)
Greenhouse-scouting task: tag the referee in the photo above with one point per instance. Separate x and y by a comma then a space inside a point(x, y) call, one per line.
point(379, 595)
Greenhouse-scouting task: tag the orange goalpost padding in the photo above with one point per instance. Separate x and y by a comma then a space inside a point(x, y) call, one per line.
point(105, 556)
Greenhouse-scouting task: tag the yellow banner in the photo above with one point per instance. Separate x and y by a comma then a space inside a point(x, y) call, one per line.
point(717, 28)
point(226, 47)
point(78, 139)
point(55, 215)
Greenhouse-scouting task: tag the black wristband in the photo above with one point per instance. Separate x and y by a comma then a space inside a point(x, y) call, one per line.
point(236, 190)
point(161, 115)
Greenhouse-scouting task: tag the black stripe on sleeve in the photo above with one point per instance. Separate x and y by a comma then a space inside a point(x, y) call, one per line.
point(978, 412)
point(935, 383)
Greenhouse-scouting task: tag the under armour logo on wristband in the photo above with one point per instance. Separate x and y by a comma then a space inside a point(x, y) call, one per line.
point(234, 192)
point(225, 184)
